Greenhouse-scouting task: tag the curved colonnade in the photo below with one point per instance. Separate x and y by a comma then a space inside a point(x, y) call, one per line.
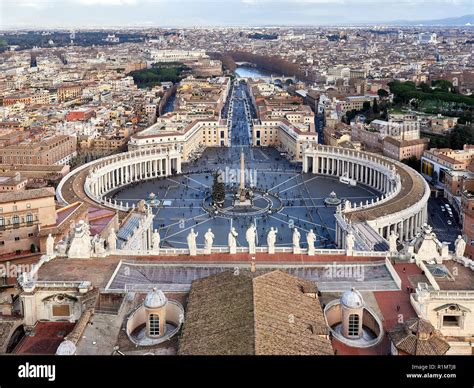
point(401, 208)
point(102, 176)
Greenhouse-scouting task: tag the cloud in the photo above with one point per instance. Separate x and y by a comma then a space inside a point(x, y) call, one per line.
point(358, 2)
point(107, 2)
point(45, 3)
point(44, 13)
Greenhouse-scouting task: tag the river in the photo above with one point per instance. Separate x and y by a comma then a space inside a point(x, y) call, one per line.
point(251, 72)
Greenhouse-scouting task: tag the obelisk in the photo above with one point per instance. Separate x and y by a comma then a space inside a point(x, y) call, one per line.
point(242, 171)
point(241, 195)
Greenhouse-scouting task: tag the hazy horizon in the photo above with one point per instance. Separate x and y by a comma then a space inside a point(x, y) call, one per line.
point(19, 14)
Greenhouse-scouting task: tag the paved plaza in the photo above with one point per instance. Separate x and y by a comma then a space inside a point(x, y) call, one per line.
point(300, 197)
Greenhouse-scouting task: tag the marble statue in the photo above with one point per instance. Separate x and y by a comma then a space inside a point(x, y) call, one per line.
point(232, 240)
point(61, 247)
point(459, 247)
point(250, 236)
point(112, 240)
point(208, 241)
point(392, 242)
point(156, 240)
point(311, 238)
point(98, 245)
point(50, 245)
point(296, 241)
point(444, 251)
point(81, 246)
point(253, 266)
point(271, 240)
point(191, 239)
point(350, 242)
point(86, 228)
point(425, 246)
point(141, 206)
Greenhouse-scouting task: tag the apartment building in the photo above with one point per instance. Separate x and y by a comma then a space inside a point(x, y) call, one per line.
point(189, 136)
point(55, 150)
point(289, 138)
point(444, 160)
point(355, 102)
point(67, 92)
point(404, 149)
point(22, 215)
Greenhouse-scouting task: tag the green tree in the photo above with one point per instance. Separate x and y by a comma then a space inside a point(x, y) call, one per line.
point(442, 84)
point(413, 162)
point(350, 115)
point(461, 135)
point(382, 93)
point(375, 106)
point(425, 87)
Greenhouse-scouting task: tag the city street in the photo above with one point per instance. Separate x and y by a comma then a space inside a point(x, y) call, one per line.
point(440, 219)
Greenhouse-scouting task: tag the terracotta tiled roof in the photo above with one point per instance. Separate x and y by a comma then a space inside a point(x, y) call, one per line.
point(254, 313)
point(26, 194)
point(417, 336)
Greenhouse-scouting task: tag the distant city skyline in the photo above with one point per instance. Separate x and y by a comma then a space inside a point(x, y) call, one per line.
point(189, 13)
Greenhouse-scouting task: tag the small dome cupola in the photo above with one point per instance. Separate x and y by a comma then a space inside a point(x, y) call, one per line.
point(352, 299)
point(155, 299)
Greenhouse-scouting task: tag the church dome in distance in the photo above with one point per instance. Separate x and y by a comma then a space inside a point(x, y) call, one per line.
point(352, 299)
point(155, 299)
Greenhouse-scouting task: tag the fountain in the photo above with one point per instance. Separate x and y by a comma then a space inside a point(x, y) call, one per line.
point(332, 200)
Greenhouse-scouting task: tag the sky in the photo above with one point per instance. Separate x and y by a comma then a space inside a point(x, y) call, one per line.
point(189, 13)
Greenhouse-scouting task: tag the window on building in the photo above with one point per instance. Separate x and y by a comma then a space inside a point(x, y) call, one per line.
point(16, 221)
point(29, 218)
point(154, 324)
point(451, 320)
point(353, 329)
